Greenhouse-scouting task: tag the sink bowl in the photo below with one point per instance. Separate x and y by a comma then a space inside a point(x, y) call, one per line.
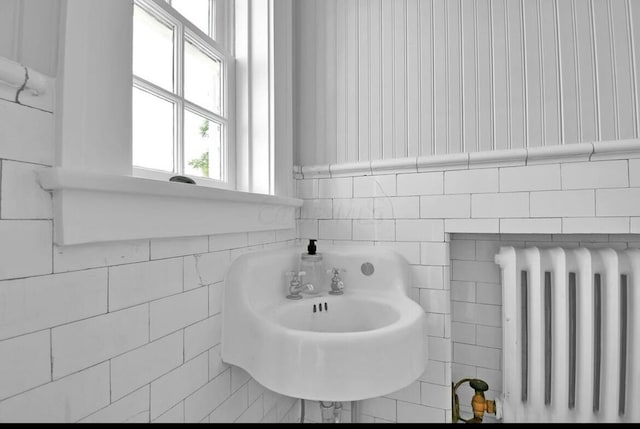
point(368, 342)
point(340, 314)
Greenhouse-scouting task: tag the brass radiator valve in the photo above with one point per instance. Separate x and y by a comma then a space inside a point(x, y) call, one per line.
point(479, 404)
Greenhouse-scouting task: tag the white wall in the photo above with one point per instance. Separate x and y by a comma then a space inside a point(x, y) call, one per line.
point(112, 332)
point(439, 220)
point(29, 33)
point(125, 331)
point(381, 79)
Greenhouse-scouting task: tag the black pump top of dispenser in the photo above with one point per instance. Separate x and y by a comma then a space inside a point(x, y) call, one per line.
point(311, 254)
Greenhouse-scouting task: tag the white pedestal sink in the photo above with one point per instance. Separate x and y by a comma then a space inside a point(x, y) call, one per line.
point(367, 342)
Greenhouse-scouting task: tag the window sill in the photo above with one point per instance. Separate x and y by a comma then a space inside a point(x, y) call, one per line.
point(90, 207)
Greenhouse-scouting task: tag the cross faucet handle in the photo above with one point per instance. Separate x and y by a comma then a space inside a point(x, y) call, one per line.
point(336, 282)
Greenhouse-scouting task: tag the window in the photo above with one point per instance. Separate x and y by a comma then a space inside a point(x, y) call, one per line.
point(182, 75)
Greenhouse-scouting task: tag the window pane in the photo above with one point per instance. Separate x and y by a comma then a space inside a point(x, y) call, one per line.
point(152, 49)
point(202, 78)
point(202, 146)
point(196, 11)
point(152, 131)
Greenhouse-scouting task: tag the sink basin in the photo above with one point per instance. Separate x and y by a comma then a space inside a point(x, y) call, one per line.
point(368, 342)
point(341, 314)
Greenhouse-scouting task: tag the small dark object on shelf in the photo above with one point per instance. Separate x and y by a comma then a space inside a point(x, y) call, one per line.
point(182, 179)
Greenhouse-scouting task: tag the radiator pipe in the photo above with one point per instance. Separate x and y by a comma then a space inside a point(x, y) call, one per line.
point(479, 404)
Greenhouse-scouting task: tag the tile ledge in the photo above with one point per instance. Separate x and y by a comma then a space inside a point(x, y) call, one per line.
point(620, 149)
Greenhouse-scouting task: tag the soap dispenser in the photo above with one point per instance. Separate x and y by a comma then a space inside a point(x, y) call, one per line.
point(311, 263)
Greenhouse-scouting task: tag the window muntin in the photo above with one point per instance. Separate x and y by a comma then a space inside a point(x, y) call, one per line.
point(197, 92)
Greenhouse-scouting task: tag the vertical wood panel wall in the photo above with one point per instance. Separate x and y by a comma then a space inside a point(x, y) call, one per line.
point(382, 79)
point(29, 33)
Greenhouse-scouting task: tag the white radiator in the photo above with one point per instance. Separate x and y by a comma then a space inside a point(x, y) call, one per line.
point(571, 334)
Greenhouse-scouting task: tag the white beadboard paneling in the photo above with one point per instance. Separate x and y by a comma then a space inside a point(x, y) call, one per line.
point(568, 66)
point(517, 76)
point(26, 363)
point(440, 77)
point(550, 72)
point(423, 77)
point(604, 60)
point(621, 21)
point(387, 79)
point(586, 72)
point(533, 74)
point(484, 72)
point(500, 52)
point(351, 93)
point(37, 303)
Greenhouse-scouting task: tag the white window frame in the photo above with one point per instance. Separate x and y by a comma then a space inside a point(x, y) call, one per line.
point(222, 50)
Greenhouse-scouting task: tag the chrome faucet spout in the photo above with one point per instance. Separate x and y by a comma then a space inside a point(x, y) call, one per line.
point(296, 286)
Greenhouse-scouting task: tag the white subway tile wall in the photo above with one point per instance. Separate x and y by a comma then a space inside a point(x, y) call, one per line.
point(113, 332)
point(149, 311)
point(449, 225)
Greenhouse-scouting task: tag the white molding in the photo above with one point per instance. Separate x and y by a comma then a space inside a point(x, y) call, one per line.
point(349, 169)
point(498, 158)
point(619, 149)
point(396, 165)
point(90, 207)
point(555, 154)
point(453, 161)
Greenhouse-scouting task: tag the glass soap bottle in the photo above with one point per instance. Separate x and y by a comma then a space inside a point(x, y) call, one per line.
point(312, 265)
